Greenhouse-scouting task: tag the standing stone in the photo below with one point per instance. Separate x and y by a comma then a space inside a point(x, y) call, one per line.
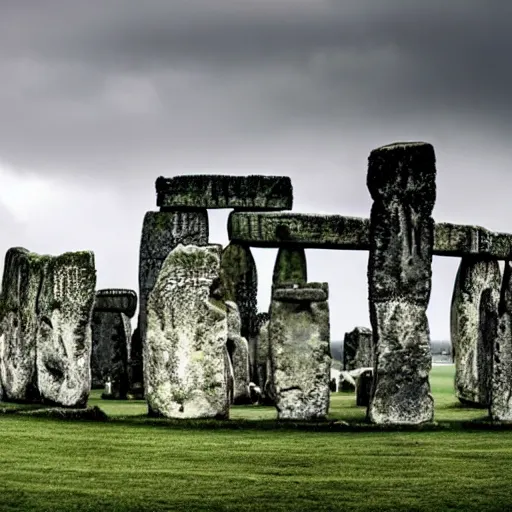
point(401, 181)
point(364, 387)
point(290, 266)
point(238, 350)
point(299, 350)
point(63, 342)
point(358, 349)
point(240, 285)
point(111, 339)
point(501, 377)
point(474, 304)
point(185, 370)
point(161, 233)
point(22, 276)
point(261, 354)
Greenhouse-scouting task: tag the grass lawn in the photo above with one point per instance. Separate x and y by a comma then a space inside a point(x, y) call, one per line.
point(252, 463)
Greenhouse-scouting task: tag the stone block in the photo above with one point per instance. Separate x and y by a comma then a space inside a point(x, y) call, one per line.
point(222, 191)
point(117, 300)
point(358, 349)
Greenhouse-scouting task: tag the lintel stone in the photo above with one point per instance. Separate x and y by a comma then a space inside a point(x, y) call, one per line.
point(317, 231)
point(253, 192)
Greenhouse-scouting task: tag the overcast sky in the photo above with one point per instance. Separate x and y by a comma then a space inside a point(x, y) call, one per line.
point(99, 98)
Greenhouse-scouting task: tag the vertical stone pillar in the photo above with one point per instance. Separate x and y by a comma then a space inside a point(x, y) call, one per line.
point(111, 339)
point(501, 372)
point(474, 303)
point(240, 285)
point(299, 350)
point(358, 349)
point(186, 366)
point(290, 266)
point(161, 233)
point(401, 181)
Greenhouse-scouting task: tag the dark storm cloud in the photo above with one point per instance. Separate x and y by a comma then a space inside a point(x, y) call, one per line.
point(125, 84)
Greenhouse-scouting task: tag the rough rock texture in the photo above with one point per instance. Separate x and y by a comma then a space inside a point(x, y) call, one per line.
point(240, 284)
point(258, 351)
point(304, 229)
point(221, 191)
point(185, 370)
point(116, 299)
point(63, 342)
point(23, 272)
point(352, 233)
point(290, 266)
point(501, 377)
point(358, 349)
point(111, 339)
point(299, 351)
point(161, 232)
point(364, 387)
point(401, 181)
point(474, 304)
point(238, 350)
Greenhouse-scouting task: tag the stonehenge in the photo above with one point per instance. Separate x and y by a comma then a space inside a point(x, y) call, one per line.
point(46, 307)
point(111, 340)
point(201, 345)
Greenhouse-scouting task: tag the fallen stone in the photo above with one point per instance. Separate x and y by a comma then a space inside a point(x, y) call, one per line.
point(117, 300)
point(290, 266)
point(185, 370)
point(111, 339)
point(401, 181)
point(299, 351)
point(358, 349)
point(23, 272)
point(238, 350)
point(501, 378)
point(474, 302)
point(161, 233)
point(63, 342)
point(317, 231)
point(221, 191)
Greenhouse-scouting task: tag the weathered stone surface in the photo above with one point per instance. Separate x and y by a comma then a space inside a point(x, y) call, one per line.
point(238, 350)
point(353, 233)
point(501, 378)
point(260, 355)
point(222, 191)
point(111, 339)
point(290, 266)
point(364, 387)
point(185, 370)
point(401, 181)
point(116, 299)
point(161, 233)
point(240, 284)
point(474, 304)
point(23, 272)
point(63, 343)
point(358, 349)
point(303, 229)
point(299, 352)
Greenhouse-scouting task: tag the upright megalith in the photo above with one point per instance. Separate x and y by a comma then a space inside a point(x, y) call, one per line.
point(161, 233)
point(185, 370)
point(500, 408)
point(111, 339)
point(401, 181)
point(64, 342)
point(474, 306)
point(358, 349)
point(238, 350)
point(23, 272)
point(240, 284)
point(290, 266)
point(299, 350)
point(259, 355)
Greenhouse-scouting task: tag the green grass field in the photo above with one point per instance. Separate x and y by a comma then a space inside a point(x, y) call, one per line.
point(252, 463)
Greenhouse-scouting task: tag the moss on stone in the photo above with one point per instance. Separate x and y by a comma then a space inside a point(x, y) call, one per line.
point(290, 266)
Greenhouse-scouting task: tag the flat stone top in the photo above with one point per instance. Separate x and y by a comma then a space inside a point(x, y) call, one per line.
point(116, 300)
point(310, 292)
point(251, 193)
point(353, 233)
